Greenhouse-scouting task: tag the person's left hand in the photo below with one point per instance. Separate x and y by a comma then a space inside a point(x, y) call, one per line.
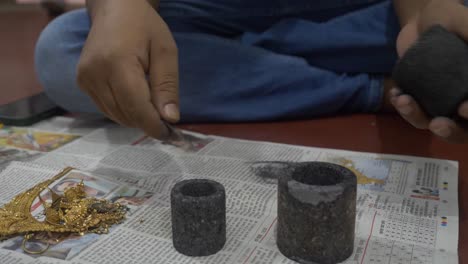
point(453, 16)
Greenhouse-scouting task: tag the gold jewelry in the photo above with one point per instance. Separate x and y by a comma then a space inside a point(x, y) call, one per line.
point(25, 249)
point(70, 213)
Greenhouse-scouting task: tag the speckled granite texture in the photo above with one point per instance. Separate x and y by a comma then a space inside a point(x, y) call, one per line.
point(316, 213)
point(198, 217)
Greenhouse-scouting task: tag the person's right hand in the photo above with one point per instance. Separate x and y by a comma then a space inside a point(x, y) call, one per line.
point(129, 41)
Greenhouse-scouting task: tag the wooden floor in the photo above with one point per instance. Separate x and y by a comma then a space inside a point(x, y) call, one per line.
point(20, 28)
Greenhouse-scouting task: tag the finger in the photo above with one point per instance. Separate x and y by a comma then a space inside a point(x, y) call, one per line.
point(99, 92)
point(132, 95)
point(455, 23)
point(463, 110)
point(164, 74)
point(411, 112)
point(102, 107)
point(407, 37)
point(89, 89)
point(106, 103)
point(460, 20)
point(394, 93)
point(448, 130)
point(109, 103)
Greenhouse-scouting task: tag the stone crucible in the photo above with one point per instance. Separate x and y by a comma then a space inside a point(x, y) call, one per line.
point(316, 212)
point(198, 209)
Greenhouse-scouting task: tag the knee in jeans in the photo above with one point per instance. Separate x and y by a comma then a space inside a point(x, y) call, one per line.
point(54, 54)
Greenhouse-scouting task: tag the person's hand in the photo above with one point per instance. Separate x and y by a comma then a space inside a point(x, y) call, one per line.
point(129, 41)
point(453, 16)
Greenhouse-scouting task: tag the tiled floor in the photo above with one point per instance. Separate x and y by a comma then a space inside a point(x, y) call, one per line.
point(19, 30)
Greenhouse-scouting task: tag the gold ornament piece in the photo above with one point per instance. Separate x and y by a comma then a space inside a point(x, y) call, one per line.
point(25, 248)
point(70, 213)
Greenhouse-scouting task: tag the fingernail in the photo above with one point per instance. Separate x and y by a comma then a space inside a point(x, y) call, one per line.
point(442, 132)
point(172, 111)
point(406, 110)
point(394, 92)
point(463, 111)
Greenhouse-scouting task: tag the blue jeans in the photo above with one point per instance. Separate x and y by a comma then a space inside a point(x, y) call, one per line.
point(244, 60)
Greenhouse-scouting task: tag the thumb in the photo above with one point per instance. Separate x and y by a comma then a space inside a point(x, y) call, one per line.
point(164, 77)
point(460, 23)
point(409, 34)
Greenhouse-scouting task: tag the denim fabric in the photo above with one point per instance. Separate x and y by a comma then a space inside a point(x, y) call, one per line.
point(243, 60)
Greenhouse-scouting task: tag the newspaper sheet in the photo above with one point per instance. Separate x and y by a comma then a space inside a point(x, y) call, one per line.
point(407, 207)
